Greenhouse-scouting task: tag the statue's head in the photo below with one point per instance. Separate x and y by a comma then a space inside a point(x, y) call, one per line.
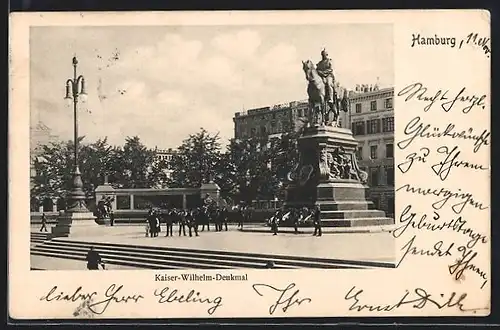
point(324, 53)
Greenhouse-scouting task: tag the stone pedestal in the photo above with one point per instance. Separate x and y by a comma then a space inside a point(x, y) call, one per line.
point(210, 191)
point(69, 222)
point(340, 191)
point(102, 192)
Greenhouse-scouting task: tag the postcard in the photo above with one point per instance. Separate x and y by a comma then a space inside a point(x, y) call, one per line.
point(241, 164)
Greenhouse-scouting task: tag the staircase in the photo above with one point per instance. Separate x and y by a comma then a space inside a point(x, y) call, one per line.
point(151, 257)
point(38, 238)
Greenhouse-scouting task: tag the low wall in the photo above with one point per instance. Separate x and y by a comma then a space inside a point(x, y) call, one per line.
point(36, 217)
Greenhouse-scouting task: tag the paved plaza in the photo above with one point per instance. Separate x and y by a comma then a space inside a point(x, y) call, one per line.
point(359, 246)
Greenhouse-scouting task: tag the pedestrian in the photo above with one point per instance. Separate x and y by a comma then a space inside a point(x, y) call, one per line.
point(169, 220)
point(295, 218)
point(94, 260)
point(182, 222)
point(111, 218)
point(224, 214)
point(147, 227)
point(274, 225)
point(317, 221)
point(44, 223)
point(191, 222)
point(241, 216)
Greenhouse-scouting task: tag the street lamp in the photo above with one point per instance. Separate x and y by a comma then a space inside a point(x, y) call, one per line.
point(75, 89)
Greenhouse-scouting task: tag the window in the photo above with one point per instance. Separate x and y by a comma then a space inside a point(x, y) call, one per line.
point(252, 132)
point(389, 173)
point(388, 124)
point(373, 126)
point(389, 150)
point(388, 103)
point(373, 176)
point(263, 130)
point(358, 128)
point(359, 153)
point(273, 127)
point(274, 115)
point(299, 112)
point(373, 105)
point(358, 107)
point(373, 152)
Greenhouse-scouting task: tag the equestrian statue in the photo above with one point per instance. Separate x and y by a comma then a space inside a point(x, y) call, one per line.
point(323, 98)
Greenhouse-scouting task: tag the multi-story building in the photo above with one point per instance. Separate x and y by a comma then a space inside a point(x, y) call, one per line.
point(165, 155)
point(271, 121)
point(371, 115)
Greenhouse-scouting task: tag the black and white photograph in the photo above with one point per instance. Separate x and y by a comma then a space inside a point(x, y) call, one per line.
point(212, 147)
point(249, 164)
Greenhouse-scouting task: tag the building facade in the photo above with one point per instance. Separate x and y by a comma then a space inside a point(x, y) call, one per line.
point(371, 119)
point(271, 121)
point(166, 156)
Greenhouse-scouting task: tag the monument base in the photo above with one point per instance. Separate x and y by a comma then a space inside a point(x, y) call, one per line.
point(76, 220)
point(343, 199)
point(103, 222)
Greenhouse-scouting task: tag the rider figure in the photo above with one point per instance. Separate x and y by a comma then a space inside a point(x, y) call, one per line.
point(325, 70)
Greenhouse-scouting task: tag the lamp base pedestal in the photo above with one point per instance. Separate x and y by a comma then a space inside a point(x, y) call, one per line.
point(67, 221)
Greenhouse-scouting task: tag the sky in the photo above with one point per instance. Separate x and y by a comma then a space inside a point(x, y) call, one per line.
point(163, 83)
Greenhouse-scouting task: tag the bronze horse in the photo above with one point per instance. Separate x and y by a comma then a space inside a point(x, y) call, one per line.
point(316, 90)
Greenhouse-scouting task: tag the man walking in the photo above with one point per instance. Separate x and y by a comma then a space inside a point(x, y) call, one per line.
point(94, 260)
point(44, 223)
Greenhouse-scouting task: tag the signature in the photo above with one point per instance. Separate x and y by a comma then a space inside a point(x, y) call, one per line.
point(419, 299)
point(443, 168)
point(286, 299)
point(417, 91)
point(169, 296)
point(98, 307)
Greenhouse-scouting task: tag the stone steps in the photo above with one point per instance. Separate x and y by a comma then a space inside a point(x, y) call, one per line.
point(351, 214)
point(357, 222)
point(153, 257)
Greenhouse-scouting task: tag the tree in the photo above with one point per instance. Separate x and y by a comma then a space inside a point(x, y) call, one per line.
point(157, 176)
point(196, 160)
point(54, 167)
point(54, 170)
point(96, 161)
point(246, 171)
point(134, 161)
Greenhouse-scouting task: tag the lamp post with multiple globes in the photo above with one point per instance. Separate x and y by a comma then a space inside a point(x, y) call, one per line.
point(75, 90)
point(77, 212)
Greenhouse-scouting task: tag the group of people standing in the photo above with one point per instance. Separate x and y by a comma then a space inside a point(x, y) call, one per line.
point(297, 216)
point(191, 218)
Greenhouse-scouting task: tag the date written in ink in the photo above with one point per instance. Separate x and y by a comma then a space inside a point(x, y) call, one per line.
point(475, 39)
